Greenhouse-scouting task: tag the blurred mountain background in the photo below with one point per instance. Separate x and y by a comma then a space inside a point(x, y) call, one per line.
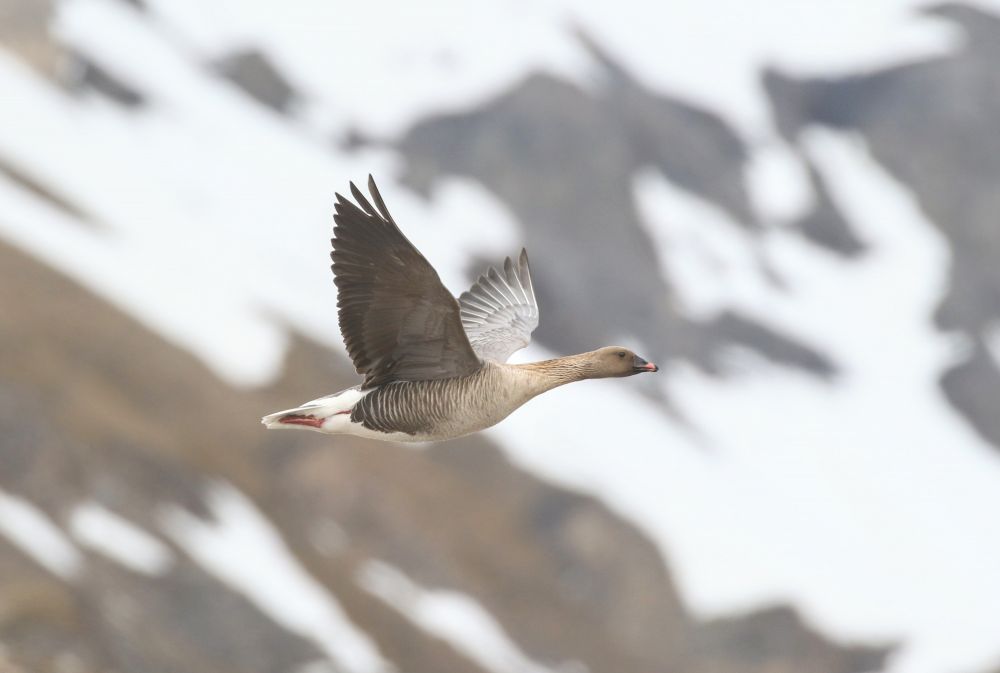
point(791, 207)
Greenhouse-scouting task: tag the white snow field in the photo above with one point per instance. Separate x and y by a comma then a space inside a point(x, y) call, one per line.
point(865, 501)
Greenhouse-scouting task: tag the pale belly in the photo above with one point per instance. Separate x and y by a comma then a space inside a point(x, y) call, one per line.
point(458, 423)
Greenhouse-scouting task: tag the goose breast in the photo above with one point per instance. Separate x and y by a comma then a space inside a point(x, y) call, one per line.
point(432, 410)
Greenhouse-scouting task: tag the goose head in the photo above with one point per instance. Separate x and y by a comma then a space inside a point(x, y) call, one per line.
point(616, 361)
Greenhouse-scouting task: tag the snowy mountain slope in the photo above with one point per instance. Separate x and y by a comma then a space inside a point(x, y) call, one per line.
point(98, 410)
point(273, 581)
point(772, 445)
point(454, 618)
point(788, 282)
point(608, 135)
point(952, 170)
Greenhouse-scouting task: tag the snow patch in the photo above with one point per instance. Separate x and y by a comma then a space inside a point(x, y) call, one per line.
point(454, 617)
point(30, 529)
point(706, 254)
point(119, 539)
point(778, 183)
point(243, 550)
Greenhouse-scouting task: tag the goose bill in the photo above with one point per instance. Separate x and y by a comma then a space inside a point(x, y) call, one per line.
point(640, 365)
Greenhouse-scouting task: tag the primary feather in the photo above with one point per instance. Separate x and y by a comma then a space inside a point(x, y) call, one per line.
point(398, 320)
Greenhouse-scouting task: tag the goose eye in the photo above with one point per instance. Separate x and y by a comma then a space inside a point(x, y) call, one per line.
point(621, 354)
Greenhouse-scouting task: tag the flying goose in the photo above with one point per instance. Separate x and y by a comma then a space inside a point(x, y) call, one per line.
point(434, 368)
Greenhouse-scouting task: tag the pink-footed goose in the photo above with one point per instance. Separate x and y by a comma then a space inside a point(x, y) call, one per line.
point(434, 368)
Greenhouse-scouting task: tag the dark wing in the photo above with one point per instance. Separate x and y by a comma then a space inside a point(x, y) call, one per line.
point(499, 312)
point(398, 320)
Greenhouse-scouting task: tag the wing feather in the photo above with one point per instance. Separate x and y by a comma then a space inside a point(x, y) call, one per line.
point(398, 320)
point(499, 312)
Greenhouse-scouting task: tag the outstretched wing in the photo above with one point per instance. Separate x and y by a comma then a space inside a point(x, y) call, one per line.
point(499, 312)
point(398, 320)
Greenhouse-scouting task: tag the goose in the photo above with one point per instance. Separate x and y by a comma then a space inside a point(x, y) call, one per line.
point(433, 368)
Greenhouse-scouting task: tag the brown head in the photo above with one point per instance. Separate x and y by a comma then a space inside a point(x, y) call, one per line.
point(616, 361)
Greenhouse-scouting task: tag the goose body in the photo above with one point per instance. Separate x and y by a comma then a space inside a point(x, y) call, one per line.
point(434, 368)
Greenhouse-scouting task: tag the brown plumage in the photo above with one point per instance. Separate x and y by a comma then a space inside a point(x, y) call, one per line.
point(398, 321)
point(433, 367)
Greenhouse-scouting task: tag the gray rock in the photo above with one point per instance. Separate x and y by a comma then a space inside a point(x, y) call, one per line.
point(254, 73)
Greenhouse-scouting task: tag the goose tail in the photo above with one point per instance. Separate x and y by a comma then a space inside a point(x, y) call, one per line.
point(306, 416)
point(321, 414)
